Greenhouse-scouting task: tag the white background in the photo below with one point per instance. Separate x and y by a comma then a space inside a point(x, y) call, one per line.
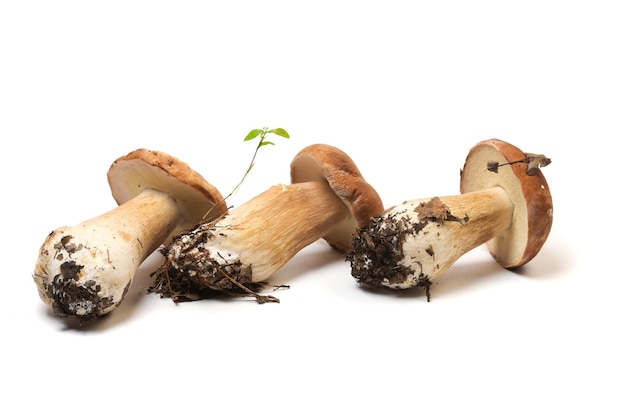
point(405, 88)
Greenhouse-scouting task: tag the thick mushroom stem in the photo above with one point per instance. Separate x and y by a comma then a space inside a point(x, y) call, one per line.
point(248, 244)
point(86, 270)
point(415, 242)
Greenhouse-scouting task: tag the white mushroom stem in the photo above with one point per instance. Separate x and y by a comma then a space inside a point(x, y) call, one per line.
point(415, 242)
point(251, 242)
point(86, 270)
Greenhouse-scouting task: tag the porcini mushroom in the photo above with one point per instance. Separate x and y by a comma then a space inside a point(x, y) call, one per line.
point(504, 203)
point(327, 198)
point(85, 270)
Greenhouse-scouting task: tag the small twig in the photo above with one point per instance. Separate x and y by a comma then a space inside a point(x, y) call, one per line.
point(261, 299)
point(534, 161)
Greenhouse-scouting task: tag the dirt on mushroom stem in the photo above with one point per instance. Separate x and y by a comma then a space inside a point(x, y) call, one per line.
point(376, 252)
point(188, 275)
point(68, 298)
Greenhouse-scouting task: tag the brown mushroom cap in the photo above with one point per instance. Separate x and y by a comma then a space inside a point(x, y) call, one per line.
point(325, 163)
point(532, 201)
point(129, 175)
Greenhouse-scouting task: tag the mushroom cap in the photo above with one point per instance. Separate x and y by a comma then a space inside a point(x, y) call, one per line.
point(144, 169)
point(326, 163)
point(529, 193)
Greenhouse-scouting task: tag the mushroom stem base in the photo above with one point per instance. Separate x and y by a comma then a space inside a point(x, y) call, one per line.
point(86, 270)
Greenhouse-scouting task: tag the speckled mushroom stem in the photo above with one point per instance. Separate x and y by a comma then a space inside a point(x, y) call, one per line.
point(86, 270)
point(416, 241)
point(248, 244)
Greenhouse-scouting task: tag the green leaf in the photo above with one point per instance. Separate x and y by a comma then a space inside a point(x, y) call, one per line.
point(280, 132)
point(265, 142)
point(253, 134)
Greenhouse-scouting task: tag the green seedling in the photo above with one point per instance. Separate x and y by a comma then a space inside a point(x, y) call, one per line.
point(253, 134)
point(262, 135)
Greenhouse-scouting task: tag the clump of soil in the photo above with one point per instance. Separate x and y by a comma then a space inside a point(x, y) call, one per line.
point(377, 255)
point(192, 272)
point(71, 298)
point(376, 252)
